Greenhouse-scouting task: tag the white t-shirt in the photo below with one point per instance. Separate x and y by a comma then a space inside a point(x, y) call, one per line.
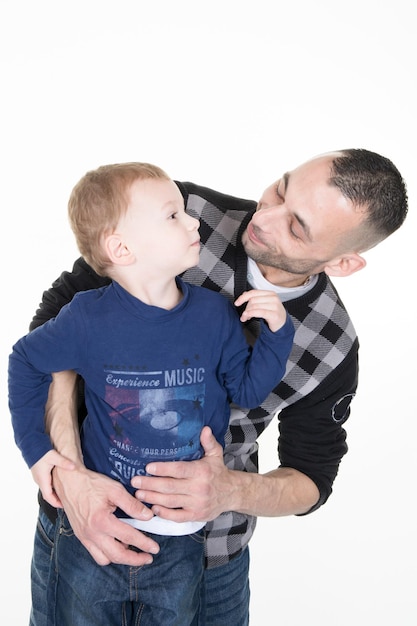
point(257, 281)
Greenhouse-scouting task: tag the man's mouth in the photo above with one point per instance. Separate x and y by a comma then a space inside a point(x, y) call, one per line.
point(252, 234)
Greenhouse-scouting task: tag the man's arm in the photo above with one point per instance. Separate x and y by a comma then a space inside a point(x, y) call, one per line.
point(202, 490)
point(205, 488)
point(90, 499)
point(311, 445)
point(62, 401)
point(81, 278)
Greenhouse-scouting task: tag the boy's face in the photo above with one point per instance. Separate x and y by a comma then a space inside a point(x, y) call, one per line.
point(162, 237)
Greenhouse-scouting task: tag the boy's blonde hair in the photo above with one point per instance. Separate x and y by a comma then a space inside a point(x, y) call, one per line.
point(98, 201)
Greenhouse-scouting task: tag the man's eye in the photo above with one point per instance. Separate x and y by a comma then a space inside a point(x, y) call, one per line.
point(294, 229)
point(279, 194)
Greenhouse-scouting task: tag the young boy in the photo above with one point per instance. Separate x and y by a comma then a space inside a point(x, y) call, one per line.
point(160, 360)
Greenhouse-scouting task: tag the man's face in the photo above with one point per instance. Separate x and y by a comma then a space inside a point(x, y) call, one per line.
point(300, 221)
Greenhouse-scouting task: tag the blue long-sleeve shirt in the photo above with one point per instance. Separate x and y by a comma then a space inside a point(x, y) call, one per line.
point(153, 377)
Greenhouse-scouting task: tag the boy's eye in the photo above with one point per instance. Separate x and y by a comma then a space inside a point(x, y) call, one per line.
point(172, 216)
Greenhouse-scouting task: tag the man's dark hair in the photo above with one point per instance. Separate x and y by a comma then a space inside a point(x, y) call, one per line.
point(372, 182)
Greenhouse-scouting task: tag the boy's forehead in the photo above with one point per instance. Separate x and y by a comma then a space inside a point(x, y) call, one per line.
point(155, 191)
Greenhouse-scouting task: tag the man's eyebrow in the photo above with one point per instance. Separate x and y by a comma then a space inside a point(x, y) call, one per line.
point(303, 224)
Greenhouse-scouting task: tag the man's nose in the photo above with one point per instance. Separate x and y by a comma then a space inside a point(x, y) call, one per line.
point(265, 211)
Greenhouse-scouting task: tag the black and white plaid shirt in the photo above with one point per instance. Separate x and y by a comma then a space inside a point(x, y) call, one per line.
point(321, 377)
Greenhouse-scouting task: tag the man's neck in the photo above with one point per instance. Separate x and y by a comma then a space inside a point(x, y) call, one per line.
point(280, 278)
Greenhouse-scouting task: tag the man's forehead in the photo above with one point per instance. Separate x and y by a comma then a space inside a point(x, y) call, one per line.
point(320, 163)
point(309, 196)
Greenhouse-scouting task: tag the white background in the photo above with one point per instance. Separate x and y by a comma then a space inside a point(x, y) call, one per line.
point(228, 94)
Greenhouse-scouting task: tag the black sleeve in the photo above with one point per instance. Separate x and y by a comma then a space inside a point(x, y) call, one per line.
point(311, 434)
point(81, 278)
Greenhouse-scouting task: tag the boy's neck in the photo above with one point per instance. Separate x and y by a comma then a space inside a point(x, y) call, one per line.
point(164, 294)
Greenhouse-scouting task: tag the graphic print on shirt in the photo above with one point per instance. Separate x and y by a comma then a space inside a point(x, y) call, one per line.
point(156, 416)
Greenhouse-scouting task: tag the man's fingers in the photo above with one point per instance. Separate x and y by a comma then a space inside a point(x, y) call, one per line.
point(133, 507)
point(115, 545)
point(179, 469)
point(210, 445)
point(130, 536)
point(116, 552)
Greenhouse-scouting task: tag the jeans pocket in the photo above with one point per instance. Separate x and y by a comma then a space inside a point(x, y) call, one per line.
point(45, 530)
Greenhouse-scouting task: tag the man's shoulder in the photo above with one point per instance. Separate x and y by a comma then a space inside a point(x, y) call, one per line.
point(321, 318)
point(223, 201)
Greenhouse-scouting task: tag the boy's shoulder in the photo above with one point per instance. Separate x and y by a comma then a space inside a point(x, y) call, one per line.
point(89, 296)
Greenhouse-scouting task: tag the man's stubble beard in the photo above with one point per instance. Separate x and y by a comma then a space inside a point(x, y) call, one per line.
point(281, 262)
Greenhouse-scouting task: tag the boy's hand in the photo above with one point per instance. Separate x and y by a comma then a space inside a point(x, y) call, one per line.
point(42, 474)
point(265, 304)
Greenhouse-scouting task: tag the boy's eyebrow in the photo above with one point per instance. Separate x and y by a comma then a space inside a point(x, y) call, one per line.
point(172, 204)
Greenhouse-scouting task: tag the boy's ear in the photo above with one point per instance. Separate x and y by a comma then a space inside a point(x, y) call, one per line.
point(117, 250)
point(345, 265)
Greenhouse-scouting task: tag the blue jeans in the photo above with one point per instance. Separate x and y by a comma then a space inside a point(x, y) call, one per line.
point(81, 593)
point(60, 563)
point(224, 594)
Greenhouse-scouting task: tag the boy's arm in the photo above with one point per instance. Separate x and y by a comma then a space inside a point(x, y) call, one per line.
point(42, 475)
point(250, 374)
point(265, 304)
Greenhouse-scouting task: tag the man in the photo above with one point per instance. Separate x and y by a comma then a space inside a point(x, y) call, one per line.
point(315, 222)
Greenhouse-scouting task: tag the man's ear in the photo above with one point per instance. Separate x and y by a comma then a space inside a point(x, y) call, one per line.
point(345, 265)
point(117, 250)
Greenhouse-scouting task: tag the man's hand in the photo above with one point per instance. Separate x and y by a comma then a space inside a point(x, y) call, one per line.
point(89, 500)
point(189, 490)
point(202, 490)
